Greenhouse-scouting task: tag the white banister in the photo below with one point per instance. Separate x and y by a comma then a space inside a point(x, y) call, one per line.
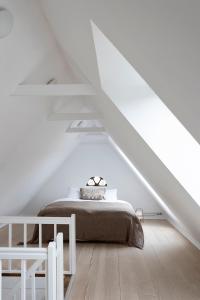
point(60, 267)
point(40, 239)
point(52, 271)
point(25, 235)
point(52, 256)
point(72, 245)
point(55, 231)
point(40, 235)
point(23, 280)
point(46, 281)
point(10, 244)
point(33, 288)
point(34, 220)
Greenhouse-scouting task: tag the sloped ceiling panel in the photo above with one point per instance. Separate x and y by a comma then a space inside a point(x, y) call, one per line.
point(160, 39)
point(31, 147)
point(128, 27)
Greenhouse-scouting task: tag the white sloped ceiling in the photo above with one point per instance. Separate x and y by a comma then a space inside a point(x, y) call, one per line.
point(31, 147)
point(157, 41)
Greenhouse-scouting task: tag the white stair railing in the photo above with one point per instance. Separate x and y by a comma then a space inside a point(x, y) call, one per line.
point(54, 264)
point(53, 256)
point(55, 221)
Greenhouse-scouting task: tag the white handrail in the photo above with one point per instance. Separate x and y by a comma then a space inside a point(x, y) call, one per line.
point(34, 220)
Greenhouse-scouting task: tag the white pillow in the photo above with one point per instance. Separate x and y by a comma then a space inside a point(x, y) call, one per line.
point(111, 195)
point(73, 193)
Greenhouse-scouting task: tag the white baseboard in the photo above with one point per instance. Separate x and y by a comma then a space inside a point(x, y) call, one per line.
point(161, 217)
point(185, 233)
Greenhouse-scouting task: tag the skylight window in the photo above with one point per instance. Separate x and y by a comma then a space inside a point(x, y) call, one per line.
point(150, 117)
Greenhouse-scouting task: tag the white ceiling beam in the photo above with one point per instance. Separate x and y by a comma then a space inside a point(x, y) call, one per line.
point(73, 116)
point(85, 129)
point(54, 90)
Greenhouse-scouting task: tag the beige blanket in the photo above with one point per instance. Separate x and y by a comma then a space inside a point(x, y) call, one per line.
point(95, 221)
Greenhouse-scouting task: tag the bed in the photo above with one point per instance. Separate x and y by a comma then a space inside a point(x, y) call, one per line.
point(96, 221)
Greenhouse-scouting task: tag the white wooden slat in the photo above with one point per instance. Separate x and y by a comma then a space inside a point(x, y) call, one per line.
point(85, 129)
point(72, 245)
point(55, 231)
point(10, 244)
point(23, 253)
point(40, 235)
point(55, 117)
point(46, 280)
point(52, 271)
point(33, 288)
point(23, 280)
point(54, 90)
point(25, 235)
point(60, 267)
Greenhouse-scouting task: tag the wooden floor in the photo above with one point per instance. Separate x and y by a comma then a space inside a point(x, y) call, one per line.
point(167, 269)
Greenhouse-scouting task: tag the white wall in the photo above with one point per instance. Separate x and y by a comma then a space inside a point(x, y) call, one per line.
point(90, 159)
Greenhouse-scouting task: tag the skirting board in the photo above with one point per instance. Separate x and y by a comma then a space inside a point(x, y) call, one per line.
point(185, 234)
point(162, 217)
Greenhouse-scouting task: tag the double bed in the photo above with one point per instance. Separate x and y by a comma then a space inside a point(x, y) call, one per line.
point(96, 220)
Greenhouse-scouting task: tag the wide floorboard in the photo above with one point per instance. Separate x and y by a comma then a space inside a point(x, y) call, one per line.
point(168, 268)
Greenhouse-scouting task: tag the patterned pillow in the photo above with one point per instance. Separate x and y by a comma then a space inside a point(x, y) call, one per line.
point(91, 193)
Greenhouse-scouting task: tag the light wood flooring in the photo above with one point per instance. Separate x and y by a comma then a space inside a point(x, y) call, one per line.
point(167, 269)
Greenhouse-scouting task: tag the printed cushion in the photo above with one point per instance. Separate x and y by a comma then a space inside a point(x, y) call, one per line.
point(91, 193)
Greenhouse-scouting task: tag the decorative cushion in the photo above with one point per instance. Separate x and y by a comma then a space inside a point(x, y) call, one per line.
point(111, 195)
point(90, 193)
point(73, 193)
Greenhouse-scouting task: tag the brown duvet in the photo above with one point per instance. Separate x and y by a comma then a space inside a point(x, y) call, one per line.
point(95, 221)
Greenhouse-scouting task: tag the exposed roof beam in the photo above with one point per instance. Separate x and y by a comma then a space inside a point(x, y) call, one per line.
point(54, 90)
point(73, 116)
point(85, 129)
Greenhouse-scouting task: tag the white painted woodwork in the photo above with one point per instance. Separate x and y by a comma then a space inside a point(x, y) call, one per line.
point(33, 220)
point(54, 90)
point(10, 243)
point(25, 235)
point(68, 221)
point(72, 245)
point(54, 231)
point(85, 129)
point(53, 256)
point(73, 116)
point(23, 280)
point(33, 288)
point(52, 271)
point(40, 235)
point(60, 267)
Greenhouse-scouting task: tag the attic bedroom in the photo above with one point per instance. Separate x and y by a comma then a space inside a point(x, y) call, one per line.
point(100, 155)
